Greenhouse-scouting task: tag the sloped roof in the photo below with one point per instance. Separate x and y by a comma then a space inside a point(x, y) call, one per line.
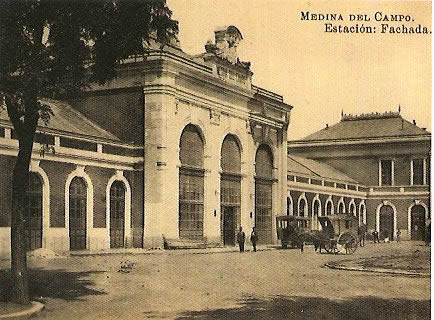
point(67, 119)
point(368, 126)
point(315, 169)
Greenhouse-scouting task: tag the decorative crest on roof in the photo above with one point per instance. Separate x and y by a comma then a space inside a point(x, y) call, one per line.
point(226, 44)
point(368, 116)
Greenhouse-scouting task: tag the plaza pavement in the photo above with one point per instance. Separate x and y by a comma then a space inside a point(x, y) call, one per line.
point(226, 284)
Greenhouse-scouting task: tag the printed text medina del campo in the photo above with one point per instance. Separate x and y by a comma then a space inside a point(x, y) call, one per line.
point(378, 22)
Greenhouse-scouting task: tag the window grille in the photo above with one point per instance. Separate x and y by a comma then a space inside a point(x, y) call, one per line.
point(77, 213)
point(191, 184)
point(33, 222)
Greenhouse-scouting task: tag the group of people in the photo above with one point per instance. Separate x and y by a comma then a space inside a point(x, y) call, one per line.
point(241, 239)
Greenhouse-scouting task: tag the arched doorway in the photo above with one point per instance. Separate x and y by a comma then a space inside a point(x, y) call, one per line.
point(117, 214)
point(289, 206)
point(386, 222)
point(77, 213)
point(302, 207)
point(329, 207)
point(316, 212)
point(230, 189)
point(418, 223)
point(352, 209)
point(362, 213)
point(341, 206)
point(263, 193)
point(191, 184)
point(33, 221)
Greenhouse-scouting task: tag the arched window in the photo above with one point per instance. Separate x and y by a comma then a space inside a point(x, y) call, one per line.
point(77, 213)
point(352, 209)
point(231, 155)
point(362, 214)
point(316, 208)
point(263, 193)
point(33, 221)
point(191, 184)
point(302, 207)
point(117, 214)
point(289, 207)
point(230, 189)
point(341, 206)
point(329, 207)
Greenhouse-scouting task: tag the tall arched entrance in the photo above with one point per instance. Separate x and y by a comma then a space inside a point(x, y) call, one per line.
point(230, 189)
point(33, 221)
point(386, 222)
point(191, 184)
point(329, 208)
point(316, 213)
point(362, 214)
point(117, 214)
point(77, 213)
point(263, 193)
point(418, 223)
point(341, 207)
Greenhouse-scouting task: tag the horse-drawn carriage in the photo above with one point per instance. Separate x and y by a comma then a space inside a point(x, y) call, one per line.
point(338, 232)
point(292, 230)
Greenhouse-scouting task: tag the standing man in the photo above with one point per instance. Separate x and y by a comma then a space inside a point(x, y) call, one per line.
point(361, 232)
point(375, 235)
point(254, 238)
point(241, 238)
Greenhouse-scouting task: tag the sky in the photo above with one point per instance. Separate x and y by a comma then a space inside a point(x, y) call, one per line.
point(319, 73)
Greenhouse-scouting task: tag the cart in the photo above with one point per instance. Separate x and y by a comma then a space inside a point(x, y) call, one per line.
point(292, 231)
point(338, 233)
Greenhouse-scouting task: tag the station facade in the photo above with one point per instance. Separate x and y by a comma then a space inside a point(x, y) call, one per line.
point(177, 147)
point(186, 149)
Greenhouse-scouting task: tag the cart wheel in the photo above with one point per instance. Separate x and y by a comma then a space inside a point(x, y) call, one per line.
point(349, 242)
point(328, 246)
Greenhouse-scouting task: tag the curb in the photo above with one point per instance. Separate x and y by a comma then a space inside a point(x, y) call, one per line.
point(379, 270)
point(167, 252)
point(36, 307)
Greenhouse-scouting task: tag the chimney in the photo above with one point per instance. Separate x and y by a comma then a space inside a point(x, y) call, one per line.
point(414, 122)
point(327, 126)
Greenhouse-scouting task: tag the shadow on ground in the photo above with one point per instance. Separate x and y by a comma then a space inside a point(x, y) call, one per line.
point(59, 284)
point(283, 307)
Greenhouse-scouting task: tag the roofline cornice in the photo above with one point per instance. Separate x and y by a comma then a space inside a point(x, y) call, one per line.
point(356, 141)
point(78, 136)
point(207, 72)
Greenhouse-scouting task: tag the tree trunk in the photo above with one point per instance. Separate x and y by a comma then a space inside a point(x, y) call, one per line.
point(20, 180)
point(25, 130)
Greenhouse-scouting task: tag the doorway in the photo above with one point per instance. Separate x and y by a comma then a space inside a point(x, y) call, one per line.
point(117, 215)
point(386, 222)
point(228, 225)
point(418, 223)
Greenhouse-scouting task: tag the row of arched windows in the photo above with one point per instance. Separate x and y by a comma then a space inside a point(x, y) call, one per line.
point(77, 211)
point(191, 187)
point(317, 210)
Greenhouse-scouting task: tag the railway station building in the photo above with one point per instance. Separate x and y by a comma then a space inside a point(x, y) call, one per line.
point(182, 150)
point(178, 147)
point(374, 166)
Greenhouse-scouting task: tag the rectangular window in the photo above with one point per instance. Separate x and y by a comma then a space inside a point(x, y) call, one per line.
point(418, 172)
point(386, 172)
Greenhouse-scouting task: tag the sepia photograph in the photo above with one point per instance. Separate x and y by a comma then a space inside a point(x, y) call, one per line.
point(198, 159)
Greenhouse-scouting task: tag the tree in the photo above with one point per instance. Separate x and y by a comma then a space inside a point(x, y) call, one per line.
point(50, 48)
